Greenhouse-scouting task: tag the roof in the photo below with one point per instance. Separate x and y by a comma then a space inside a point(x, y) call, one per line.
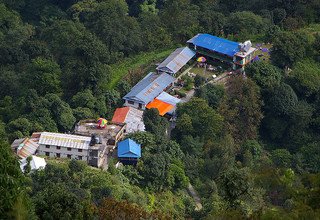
point(176, 60)
point(128, 148)
point(163, 107)
point(65, 140)
point(217, 44)
point(149, 87)
point(35, 164)
point(27, 147)
point(165, 97)
point(131, 116)
point(120, 115)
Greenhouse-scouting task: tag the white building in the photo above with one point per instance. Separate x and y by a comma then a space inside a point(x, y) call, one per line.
point(64, 146)
point(36, 163)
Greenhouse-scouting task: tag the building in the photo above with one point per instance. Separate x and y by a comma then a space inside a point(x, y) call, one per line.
point(173, 63)
point(103, 140)
point(165, 103)
point(129, 151)
point(238, 55)
point(147, 89)
point(64, 146)
point(25, 147)
point(36, 163)
point(132, 117)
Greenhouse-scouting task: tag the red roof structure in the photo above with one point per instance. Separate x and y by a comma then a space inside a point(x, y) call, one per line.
point(120, 115)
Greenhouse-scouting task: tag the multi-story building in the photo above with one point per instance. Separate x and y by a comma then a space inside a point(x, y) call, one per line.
point(64, 146)
point(238, 55)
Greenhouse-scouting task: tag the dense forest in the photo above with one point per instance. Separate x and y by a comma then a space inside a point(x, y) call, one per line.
point(251, 148)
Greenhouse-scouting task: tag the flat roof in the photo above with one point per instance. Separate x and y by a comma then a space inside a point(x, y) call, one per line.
point(90, 126)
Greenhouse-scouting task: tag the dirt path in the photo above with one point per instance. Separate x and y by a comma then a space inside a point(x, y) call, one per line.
point(195, 196)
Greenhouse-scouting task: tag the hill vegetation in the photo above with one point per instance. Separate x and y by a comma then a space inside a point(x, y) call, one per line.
point(251, 148)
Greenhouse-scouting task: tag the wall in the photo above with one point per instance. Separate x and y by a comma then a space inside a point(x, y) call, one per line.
point(134, 105)
point(63, 152)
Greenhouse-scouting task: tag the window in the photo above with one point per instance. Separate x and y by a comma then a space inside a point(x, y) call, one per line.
point(69, 156)
point(79, 150)
point(69, 149)
point(140, 105)
point(58, 147)
point(47, 154)
point(131, 102)
point(58, 155)
point(47, 146)
point(79, 157)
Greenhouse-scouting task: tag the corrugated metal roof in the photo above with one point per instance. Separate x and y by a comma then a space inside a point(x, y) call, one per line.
point(128, 148)
point(131, 116)
point(27, 148)
point(165, 97)
point(149, 87)
point(216, 44)
point(65, 140)
point(176, 60)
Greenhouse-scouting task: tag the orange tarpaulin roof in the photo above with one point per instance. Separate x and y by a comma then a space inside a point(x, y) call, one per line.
point(163, 107)
point(120, 115)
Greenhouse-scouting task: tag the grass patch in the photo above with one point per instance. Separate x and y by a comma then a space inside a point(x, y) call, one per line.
point(121, 69)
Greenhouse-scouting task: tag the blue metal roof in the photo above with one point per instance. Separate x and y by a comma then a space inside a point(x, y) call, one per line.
point(149, 87)
point(216, 44)
point(176, 60)
point(128, 148)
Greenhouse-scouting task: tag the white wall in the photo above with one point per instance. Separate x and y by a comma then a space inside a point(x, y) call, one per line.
point(63, 152)
point(134, 105)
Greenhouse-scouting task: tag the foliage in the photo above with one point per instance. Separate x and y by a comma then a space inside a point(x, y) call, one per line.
point(212, 93)
point(264, 74)
point(13, 198)
point(242, 108)
point(288, 48)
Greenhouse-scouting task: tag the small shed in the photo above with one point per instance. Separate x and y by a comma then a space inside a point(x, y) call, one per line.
point(36, 163)
point(129, 151)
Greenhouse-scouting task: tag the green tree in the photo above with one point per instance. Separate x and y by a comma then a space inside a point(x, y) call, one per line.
point(14, 201)
point(154, 123)
point(154, 33)
point(281, 158)
point(44, 76)
point(236, 183)
point(207, 123)
point(306, 77)
point(264, 74)
point(181, 19)
point(245, 23)
point(61, 112)
point(288, 48)
point(310, 156)
point(83, 60)
point(214, 94)
point(119, 32)
point(242, 109)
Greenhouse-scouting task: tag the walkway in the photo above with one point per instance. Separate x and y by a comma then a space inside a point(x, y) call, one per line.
point(195, 196)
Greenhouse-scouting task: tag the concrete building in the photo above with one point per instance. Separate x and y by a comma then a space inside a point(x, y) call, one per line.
point(64, 146)
point(238, 55)
point(132, 117)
